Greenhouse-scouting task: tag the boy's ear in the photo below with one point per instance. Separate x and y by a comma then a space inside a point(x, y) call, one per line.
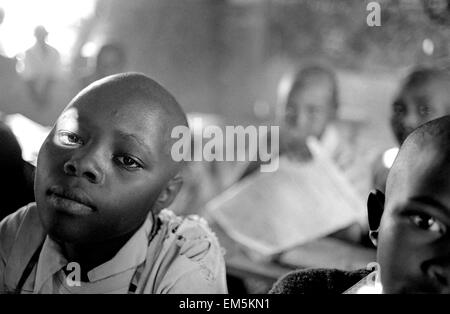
point(375, 208)
point(169, 193)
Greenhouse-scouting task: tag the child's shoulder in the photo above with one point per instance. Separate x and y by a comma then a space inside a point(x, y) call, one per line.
point(25, 218)
point(189, 231)
point(188, 255)
point(187, 222)
point(11, 223)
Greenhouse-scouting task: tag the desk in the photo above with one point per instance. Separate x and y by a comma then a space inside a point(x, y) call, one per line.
point(261, 272)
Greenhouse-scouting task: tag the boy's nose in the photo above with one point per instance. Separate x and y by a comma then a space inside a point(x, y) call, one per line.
point(439, 272)
point(86, 168)
point(412, 121)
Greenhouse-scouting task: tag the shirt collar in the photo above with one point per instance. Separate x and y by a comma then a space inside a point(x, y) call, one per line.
point(133, 253)
point(371, 284)
point(51, 260)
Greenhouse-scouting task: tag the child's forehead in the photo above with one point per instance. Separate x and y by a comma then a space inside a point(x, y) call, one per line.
point(116, 104)
point(426, 169)
point(312, 92)
point(430, 86)
point(135, 116)
point(133, 102)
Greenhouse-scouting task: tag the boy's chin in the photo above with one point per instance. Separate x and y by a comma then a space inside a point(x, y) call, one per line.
point(64, 230)
point(68, 235)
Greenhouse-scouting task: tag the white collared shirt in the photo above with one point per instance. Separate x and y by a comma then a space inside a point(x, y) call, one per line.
point(183, 257)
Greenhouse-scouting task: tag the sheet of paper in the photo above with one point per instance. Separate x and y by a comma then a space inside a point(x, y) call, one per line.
point(300, 202)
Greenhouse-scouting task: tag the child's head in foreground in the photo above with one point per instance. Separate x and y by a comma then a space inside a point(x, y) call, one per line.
point(106, 163)
point(424, 96)
point(310, 103)
point(411, 228)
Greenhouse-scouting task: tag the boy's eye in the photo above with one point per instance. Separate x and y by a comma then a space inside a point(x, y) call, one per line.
point(399, 108)
point(128, 162)
point(423, 110)
point(427, 222)
point(69, 139)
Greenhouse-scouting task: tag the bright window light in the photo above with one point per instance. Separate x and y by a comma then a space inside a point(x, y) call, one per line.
point(60, 18)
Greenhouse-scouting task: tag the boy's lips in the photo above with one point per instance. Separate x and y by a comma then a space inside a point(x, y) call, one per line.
point(72, 201)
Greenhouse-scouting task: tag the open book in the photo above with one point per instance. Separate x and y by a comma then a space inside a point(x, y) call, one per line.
point(298, 203)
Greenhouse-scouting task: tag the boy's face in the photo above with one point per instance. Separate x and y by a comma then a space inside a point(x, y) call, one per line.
point(101, 168)
point(418, 105)
point(314, 107)
point(414, 235)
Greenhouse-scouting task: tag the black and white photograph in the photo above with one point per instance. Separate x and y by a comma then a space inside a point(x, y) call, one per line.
point(228, 152)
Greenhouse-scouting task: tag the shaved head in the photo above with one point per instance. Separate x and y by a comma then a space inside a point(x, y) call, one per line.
point(412, 238)
point(139, 87)
point(136, 88)
point(425, 149)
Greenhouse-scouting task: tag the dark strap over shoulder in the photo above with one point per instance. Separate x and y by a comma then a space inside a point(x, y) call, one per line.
point(26, 273)
point(29, 237)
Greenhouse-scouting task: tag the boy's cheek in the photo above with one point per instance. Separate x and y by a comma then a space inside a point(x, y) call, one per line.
point(50, 154)
point(400, 253)
point(393, 241)
point(140, 201)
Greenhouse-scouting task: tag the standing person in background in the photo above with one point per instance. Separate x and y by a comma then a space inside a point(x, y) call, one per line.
point(41, 68)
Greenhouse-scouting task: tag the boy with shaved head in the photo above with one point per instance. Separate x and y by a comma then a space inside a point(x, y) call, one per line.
point(99, 225)
point(410, 227)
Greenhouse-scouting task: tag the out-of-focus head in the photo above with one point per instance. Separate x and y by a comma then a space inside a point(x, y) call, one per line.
point(2, 15)
point(40, 33)
point(424, 96)
point(411, 227)
point(107, 161)
point(111, 59)
point(311, 102)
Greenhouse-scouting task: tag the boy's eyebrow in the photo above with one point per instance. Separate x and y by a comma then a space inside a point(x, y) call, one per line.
point(427, 200)
point(136, 139)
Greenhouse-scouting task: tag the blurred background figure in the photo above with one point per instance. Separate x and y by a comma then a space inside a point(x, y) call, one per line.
point(311, 102)
point(111, 59)
point(308, 107)
point(11, 85)
point(423, 96)
point(2, 16)
point(41, 68)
